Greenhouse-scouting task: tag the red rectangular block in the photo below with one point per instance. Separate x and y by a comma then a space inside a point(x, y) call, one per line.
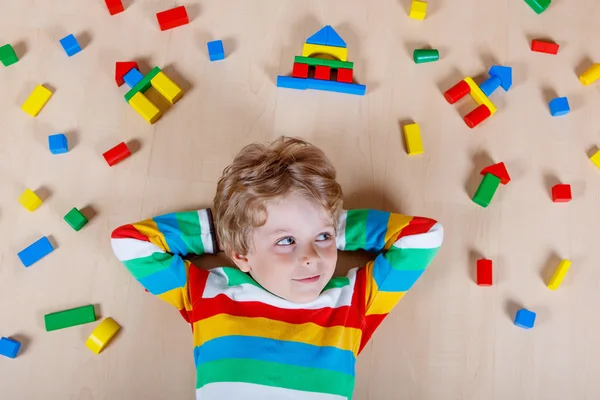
point(172, 18)
point(344, 75)
point(117, 154)
point(322, 72)
point(484, 272)
point(544, 47)
point(114, 6)
point(300, 70)
point(561, 193)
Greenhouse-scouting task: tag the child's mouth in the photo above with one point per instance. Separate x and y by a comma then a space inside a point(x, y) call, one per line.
point(311, 279)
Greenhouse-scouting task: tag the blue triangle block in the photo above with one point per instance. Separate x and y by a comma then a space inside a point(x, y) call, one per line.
point(333, 39)
point(320, 37)
point(504, 74)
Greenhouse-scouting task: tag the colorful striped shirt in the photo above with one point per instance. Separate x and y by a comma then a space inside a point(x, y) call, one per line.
point(251, 344)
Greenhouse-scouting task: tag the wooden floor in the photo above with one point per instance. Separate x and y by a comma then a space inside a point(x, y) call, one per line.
point(449, 338)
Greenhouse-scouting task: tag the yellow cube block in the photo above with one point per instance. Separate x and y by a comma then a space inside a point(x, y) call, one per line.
point(596, 159)
point(591, 75)
point(145, 108)
point(30, 200)
point(340, 53)
point(479, 96)
point(103, 333)
point(412, 136)
point(559, 274)
point(418, 10)
point(166, 87)
point(36, 100)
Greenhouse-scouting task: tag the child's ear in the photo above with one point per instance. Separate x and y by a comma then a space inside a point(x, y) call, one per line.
point(241, 262)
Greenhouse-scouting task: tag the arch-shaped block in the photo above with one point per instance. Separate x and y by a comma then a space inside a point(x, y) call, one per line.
point(340, 53)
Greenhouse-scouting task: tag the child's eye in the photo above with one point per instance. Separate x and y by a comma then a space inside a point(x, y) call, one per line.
point(323, 236)
point(286, 241)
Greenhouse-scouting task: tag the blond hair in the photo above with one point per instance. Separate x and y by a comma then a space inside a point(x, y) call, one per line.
point(260, 173)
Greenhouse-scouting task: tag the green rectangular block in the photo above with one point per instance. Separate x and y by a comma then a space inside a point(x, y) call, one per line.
point(539, 6)
point(142, 85)
point(485, 192)
point(68, 318)
point(76, 219)
point(8, 55)
point(326, 63)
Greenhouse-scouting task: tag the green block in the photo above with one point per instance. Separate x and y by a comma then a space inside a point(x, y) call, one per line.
point(68, 318)
point(76, 219)
point(8, 55)
point(325, 63)
point(485, 191)
point(539, 6)
point(425, 55)
point(142, 85)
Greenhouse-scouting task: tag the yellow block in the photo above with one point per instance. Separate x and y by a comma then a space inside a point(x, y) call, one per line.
point(559, 274)
point(596, 159)
point(145, 108)
point(418, 10)
point(166, 87)
point(591, 75)
point(30, 200)
point(479, 96)
point(36, 100)
point(102, 335)
point(412, 136)
point(341, 53)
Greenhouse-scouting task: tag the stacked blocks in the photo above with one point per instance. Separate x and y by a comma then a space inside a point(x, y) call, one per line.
point(539, 6)
point(114, 6)
point(418, 10)
point(559, 106)
point(172, 18)
point(102, 334)
point(76, 219)
point(541, 46)
point(561, 193)
point(9, 347)
point(525, 319)
point(484, 272)
point(35, 251)
point(30, 200)
point(58, 143)
point(421, 56)
point(70, 44)
point(36, 100)
point(324, 52)
point(559, 274)
point(493, 176)
point(68, 318)
point(591, 75)
point(117, 154)
point(215, 50)
point(596, 159)
point(8, 55)
point(133, 77)
point(412, 136)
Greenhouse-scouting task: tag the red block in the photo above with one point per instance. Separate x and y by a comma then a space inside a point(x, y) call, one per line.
point(114, 6)
point(117, 154)
point(322, 72)
point(499, 170)
point(300, 70)
point(344, 75)
point(172, 18)
point(561, 193)
point(544, 47)
point(484, 272)
point(477, 116)
point(457, 92)
point(122, 68)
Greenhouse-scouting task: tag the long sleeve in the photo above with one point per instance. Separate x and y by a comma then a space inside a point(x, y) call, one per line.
point(405, 246)
point(153, 251)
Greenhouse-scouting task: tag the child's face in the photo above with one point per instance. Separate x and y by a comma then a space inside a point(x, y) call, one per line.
point(294, 253)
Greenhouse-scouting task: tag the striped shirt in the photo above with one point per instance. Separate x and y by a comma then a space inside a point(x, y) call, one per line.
point(251, 344)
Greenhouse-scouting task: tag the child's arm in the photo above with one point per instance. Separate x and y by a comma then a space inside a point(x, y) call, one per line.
point(152, 251)
point(406, 246)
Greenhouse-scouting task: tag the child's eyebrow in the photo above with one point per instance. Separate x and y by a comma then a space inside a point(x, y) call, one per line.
point(289, 230)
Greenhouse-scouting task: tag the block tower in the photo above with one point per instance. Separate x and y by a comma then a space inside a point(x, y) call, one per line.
point(323, 53)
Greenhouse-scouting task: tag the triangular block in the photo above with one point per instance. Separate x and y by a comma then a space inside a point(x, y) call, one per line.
point(122, 68)
point(504, 74)
point(320, 37)
point(498, 170)
point(333, 39)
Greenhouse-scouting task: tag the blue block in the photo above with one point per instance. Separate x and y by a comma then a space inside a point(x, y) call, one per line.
point(35, 252)
point(70, 44)
point(504, 74)
point(490, 85)
point(525, 319)
point(9, 347)
point(339, 87)
point(133, 77)
point(559, 106)
point(327, 36)
point(58, 143)
point(215, 50)
point(290, 82)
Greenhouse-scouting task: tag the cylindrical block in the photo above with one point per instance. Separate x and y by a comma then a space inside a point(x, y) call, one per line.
point(477, 116)
point(457, 92)
point(591, 75)
point(425, 55)
point(490, 85)
point(117, 153)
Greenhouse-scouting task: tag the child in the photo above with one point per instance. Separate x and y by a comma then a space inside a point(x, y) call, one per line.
point(278, 326)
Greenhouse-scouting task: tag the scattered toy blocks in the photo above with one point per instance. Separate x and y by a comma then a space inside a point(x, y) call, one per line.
point(36, 100)
point(8, 55)
point(484, 272)
point(58, 143)
point(215, 50)
point(525, 319)
point(327, 36)
point(344, 75)
point(596, 159)
point(559, 106)
point(122, 68)
point(418, 10)
point(486, 190)
point(70, 44)
point(412, 137)
point(559, 274)
point(117, 154)
point(539, 6)
point(145, 107)
point(133, 77)
point(479, 97)
point(322, 72)
point(102, 334)
point(9, 347)
point(114, 6)
point(490, 85)
point(457, 92)
point(477, 116)
point(76, 219)
point(591, 75)
point(340, 53)
point(561, 193)
point(68, 318)
point(166, 87)
point(541, 46)
point(503, 73)
point(421, 56)
point(498, 170)
point(300, 70)
point(172, 18)
point(30, 200)
point(35, 251)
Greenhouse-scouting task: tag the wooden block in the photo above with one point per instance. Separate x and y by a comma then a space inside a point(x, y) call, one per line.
point(30, 200)
point(559, 274)
point(344, 75)
point(117, 154)
point(300, 70)
point(418, 10)
point(596, 159)
point(36, 100)
point(412, 137)
point(340, 53)
point(166, 87)
point(102, 334)
point(145, 108)
point(68, 318)
point(479, 96)
point(322, 72)
point(484, 272)
point(591, 75)
point(172, 18)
